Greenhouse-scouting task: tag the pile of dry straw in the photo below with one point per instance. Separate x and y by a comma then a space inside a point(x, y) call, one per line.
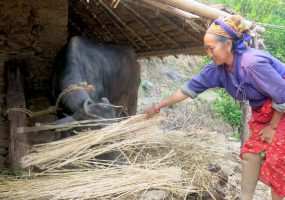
point(153, 159)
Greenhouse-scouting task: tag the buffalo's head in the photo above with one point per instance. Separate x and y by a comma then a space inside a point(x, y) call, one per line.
point(100, 110)
point(92, 110)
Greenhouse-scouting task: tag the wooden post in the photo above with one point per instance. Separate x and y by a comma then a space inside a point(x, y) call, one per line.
point(15, 98)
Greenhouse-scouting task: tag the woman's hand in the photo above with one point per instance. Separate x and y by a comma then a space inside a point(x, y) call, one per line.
point(267, 134)
point(151, 111)
point(175, 97)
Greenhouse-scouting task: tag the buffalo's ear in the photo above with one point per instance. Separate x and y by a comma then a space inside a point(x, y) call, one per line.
point(105, 100)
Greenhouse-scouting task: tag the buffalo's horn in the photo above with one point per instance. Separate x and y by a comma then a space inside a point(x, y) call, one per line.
point(105, 100)
point(87, 103)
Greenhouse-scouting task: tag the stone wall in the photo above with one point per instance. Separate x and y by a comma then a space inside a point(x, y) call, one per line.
point(34, 31)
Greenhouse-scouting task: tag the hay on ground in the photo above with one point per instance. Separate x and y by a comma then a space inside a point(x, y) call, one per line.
point(177, 162)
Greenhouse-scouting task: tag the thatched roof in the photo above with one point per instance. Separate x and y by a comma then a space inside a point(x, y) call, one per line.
point(151, 27)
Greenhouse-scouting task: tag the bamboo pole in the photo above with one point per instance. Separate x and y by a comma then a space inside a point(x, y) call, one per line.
point(204, 10)
point(70, 125)
point(196, 8)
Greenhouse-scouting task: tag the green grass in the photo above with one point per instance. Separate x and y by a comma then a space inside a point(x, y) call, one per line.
point(4, 173)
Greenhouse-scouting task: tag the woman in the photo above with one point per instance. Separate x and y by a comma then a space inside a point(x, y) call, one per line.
point(246, 74)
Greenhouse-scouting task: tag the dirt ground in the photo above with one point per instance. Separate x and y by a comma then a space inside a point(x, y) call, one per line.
point(159, 78)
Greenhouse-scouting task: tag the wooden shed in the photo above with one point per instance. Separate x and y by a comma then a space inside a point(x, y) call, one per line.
point(33, 31)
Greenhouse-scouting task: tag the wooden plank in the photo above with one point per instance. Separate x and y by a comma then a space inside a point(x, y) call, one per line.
point(199, 50)
point(4, 143)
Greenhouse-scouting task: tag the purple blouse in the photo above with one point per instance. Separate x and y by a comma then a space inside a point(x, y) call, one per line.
point(258, 78)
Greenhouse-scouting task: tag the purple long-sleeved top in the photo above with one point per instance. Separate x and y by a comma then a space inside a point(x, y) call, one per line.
point(258, 78)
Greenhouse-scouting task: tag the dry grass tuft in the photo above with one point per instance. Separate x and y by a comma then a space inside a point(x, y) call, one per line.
point(132, 132)
point(111, 183)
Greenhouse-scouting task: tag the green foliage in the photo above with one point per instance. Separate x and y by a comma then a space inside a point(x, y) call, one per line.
point(143, 85)
point(199, 69)
point(228, 109)
point(206, 61)
point(263, 11)
point(277, 43)
point(237, 136)
point(14, 174)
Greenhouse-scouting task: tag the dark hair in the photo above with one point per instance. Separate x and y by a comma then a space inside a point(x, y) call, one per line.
point(224, 40)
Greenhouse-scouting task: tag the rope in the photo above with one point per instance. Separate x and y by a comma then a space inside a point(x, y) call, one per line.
point(53, 109)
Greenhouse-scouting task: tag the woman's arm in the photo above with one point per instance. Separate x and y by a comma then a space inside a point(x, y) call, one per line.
point(175, 97)
point(209, 77)
point(267, 134)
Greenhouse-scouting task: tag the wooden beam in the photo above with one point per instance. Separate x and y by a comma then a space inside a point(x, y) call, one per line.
point(144, 22)
point(199, 50)
point(195, 26)
point(136, 46)
point(187, 34)
point(123, 23)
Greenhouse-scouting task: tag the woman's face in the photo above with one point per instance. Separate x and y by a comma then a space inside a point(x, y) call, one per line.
point(217, 50)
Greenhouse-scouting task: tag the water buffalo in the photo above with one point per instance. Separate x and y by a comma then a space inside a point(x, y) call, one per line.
point(112, 71)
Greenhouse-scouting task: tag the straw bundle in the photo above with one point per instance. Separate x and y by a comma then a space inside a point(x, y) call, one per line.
point(114, 183)
point(154, 160)
point(132, 132)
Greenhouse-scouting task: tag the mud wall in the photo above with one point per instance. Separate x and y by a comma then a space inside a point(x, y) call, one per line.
point(33, 31)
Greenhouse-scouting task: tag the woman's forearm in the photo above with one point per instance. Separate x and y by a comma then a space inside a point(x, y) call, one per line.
point(176, 97)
